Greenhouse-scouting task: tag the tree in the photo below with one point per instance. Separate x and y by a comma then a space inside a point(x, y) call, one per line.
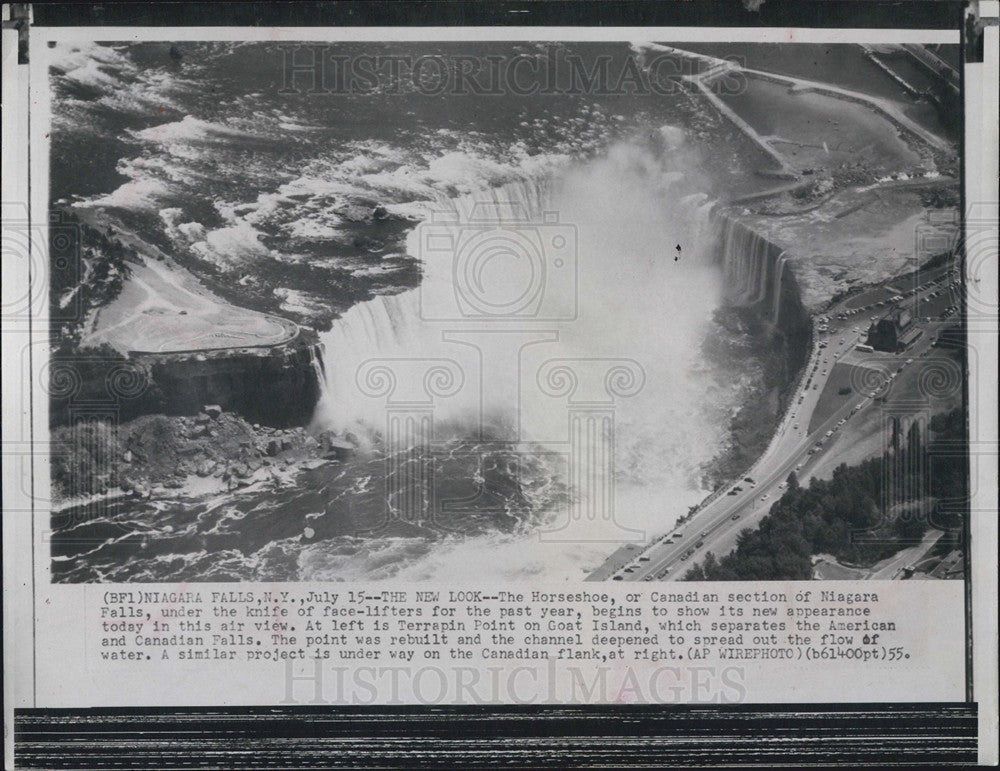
point(710, 566)
point(910, 524)
point(695, 574)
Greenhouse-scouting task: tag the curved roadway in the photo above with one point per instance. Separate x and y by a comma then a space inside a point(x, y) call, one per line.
point(716, 526)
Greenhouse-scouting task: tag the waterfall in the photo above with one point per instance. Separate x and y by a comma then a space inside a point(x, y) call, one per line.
point(605, 319)
point(316, 361)
point(753, 269)
point(777, 289)
point(552, 312)
point(629, 260)
point(746, 261)
point(409, 328)
point(755, 275)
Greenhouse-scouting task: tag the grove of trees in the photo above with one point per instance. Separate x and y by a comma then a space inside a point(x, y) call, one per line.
point(863, 514)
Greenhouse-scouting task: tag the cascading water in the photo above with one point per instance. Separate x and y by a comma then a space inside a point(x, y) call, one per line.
point(746, 257)
point(754, 269)
point(600, 374)
point(776, 293)
point(316, 361)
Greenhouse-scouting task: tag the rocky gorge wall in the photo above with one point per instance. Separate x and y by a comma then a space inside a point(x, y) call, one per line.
point(763, 330)
point(277, 386)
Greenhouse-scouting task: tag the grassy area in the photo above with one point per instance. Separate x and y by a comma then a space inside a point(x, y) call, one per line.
point(935, 378)
point(831, 399)
point(828, 569)
point(163, 308)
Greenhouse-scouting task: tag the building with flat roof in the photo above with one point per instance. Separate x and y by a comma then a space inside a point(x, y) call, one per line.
point(893, 332)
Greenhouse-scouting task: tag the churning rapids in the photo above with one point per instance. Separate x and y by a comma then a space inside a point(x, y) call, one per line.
point(542, 395)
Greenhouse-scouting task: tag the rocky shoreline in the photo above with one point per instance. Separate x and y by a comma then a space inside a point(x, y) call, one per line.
point(159, 455)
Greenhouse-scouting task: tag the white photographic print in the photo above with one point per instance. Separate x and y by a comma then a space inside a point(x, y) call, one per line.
point(402, 310)
point(504, 384)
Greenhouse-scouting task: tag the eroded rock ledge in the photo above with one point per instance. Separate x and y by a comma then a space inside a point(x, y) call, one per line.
point(208, 452)
point(276, 386)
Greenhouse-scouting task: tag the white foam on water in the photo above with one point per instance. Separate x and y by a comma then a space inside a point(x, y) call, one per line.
point(633, 303)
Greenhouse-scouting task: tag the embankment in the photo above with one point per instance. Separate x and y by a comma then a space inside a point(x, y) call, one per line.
point(275, 386)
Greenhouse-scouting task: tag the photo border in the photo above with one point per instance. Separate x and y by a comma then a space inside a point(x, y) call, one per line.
point(649, 734)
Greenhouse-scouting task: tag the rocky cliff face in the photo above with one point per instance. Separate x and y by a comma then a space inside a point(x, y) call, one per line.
point(277, 386)
point(155, 453)
point(763, 328)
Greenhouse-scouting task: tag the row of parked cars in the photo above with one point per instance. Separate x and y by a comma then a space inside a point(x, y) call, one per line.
point(950, 275)
point(669, 538)
point(829, 434)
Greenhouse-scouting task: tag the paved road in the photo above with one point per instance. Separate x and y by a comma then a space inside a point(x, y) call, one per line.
point(163, 308)
point(716, 526)
point(894, 567)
